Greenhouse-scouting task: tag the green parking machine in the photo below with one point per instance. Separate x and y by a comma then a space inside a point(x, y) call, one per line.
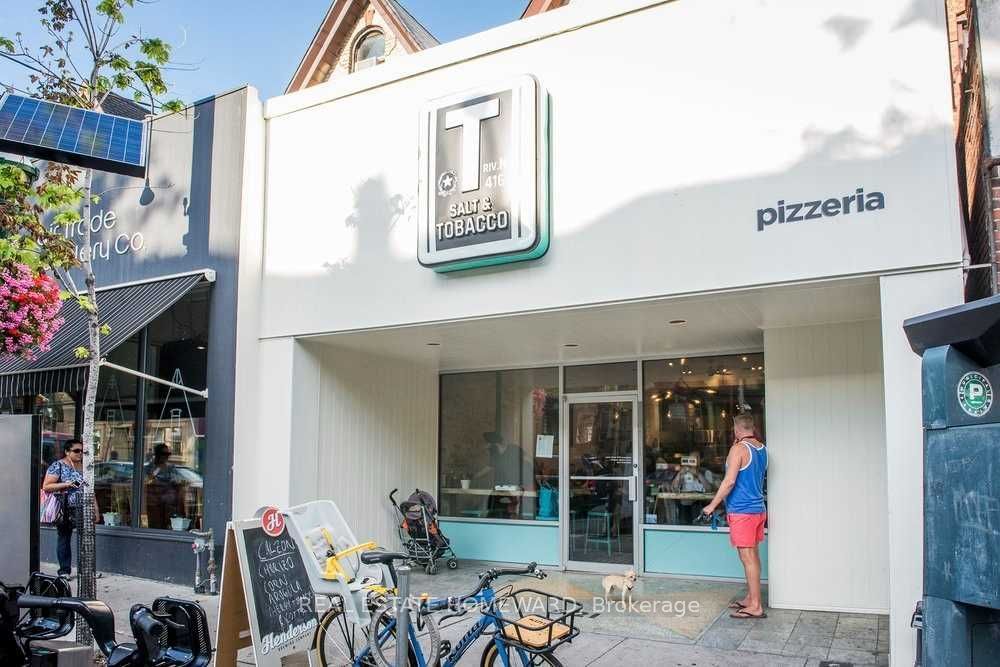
point(960, 348)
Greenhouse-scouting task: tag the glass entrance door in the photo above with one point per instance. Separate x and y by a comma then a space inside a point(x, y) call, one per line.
point(601, 520)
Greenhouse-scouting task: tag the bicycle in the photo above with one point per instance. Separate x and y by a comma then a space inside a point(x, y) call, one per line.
point(173, 633)
point(528, 640)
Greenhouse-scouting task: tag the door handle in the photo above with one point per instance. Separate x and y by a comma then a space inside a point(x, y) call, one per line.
point(631, 489)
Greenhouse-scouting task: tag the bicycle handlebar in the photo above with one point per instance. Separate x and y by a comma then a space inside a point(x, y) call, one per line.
point(487, 577)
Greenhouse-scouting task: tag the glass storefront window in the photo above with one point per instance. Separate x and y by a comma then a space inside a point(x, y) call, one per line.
point(114, 436)
point(58, 411)
point(600, 377)
point(174, 429)
point(689, 405)
point(500, 444)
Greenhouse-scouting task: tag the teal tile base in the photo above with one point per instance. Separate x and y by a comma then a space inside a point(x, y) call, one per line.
point(695, 553)
point(503, 542)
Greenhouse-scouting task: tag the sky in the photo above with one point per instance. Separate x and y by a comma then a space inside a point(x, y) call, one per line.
point(235, 42)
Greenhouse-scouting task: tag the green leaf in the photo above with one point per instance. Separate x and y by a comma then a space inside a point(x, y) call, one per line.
point(174, 106)
point(105, 330)
point(6, 44)
point(112, 9)
point(155, 49)
point(86, 304)
point(64, 295)
point(81, 353)
point(119, 63)
point(67, 218)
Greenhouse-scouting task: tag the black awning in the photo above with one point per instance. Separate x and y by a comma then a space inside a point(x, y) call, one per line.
point(125, 310)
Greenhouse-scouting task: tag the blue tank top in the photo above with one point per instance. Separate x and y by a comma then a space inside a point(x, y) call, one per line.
point(747, 496)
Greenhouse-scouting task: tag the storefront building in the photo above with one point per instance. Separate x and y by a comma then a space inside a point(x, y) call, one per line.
point(714, 208)
point(165, 254)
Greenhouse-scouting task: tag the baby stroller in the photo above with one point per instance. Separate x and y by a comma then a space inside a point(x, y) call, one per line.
point(420, 533)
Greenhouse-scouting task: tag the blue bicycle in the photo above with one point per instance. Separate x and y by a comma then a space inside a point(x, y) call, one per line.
point(524, 626)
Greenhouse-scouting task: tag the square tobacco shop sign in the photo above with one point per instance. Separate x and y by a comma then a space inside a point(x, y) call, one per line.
point(484, 177)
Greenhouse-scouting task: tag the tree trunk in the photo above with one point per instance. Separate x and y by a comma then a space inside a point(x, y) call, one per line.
point(87, 548)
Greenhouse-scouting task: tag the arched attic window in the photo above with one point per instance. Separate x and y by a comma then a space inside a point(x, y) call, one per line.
point(369, 50)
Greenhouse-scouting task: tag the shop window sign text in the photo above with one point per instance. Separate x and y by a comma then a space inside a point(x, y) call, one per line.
point(857, 202)
point(105, 224)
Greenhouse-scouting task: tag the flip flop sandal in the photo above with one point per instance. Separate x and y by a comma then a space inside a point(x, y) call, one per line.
point(736, 604)
point(744, 614)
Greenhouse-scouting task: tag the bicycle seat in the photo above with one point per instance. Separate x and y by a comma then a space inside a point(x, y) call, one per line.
point(39, 624)
point(174, 633)
point(96, 614)
point(381, 557)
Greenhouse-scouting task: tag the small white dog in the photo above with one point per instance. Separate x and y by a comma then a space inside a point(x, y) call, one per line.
point(623, 582)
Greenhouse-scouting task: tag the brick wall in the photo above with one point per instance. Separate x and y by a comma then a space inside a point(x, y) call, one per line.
point(979, 185)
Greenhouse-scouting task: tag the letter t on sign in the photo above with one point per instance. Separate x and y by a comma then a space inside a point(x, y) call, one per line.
point(469, 119)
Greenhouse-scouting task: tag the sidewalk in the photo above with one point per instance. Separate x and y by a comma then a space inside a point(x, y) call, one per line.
point(707, 637)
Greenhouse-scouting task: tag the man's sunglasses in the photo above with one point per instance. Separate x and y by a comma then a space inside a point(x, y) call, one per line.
point(76, 451)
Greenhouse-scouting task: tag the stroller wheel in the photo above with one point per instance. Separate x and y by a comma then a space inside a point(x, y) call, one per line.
point(431, 568)
point(452, 564)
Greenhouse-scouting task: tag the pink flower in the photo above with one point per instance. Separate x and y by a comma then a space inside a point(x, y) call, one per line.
point(29, 309)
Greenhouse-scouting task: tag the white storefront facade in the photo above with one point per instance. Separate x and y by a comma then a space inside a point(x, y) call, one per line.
point(717, 207)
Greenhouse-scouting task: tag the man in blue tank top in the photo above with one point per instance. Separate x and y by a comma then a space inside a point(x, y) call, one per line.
point(742, 490)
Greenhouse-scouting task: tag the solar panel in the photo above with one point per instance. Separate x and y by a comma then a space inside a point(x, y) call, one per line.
point(50, 131)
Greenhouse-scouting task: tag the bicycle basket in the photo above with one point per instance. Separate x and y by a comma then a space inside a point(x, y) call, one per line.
point(536, 621)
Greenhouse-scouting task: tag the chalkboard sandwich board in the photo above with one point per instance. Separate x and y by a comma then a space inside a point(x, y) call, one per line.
point(267, 600)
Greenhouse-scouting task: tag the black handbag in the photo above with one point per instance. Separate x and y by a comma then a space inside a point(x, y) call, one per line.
point(68, 518)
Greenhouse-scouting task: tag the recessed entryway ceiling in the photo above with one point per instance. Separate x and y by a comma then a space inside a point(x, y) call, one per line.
point(731, 321)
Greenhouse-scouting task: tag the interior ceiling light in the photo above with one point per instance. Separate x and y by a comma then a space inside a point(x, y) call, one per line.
point(677, 322)
point(571, 345)
point(434, 344)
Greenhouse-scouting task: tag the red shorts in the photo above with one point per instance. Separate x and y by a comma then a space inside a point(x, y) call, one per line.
point(746, 530)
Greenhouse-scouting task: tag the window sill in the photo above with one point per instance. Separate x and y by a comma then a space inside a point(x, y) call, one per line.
point(487, 520)
point(145, 533)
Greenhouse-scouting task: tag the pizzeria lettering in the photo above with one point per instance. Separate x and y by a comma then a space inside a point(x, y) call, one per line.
point(783, 212)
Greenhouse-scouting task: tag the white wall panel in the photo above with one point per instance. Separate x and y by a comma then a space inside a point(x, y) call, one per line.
point(672, 123)
point(828, 540)
point(906, 296)
point(377, 430)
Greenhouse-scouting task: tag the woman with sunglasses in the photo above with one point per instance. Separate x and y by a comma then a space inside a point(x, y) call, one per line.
point(65, 476)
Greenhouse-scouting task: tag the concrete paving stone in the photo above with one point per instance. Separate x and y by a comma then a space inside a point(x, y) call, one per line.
point(803, 639)
point(761, 633)
point(583, 650)
point(723, 638)
point(819, 622)
point(806, 651)
point(854, 643)
point(646, 652)
point(854, 623)
point(762, 646)
point(847, 633)
point(855, 657)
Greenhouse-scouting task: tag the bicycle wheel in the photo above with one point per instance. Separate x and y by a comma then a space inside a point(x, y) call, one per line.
point(384, 653)
point(339, 641)
point(491, 658)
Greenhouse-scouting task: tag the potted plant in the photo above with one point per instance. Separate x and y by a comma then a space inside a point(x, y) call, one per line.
point(119, 507)
point(179, 523)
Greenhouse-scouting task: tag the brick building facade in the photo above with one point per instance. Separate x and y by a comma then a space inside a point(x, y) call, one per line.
point(978, 157)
